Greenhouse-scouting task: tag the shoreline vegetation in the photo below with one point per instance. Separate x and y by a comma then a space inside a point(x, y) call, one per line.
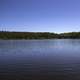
point(38, 35)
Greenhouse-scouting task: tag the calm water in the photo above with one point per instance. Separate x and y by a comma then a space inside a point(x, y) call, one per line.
point(57, 59)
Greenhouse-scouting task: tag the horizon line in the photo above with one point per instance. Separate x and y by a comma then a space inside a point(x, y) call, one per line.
point(39, 31)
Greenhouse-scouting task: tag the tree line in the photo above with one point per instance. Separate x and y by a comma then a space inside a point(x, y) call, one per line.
point(38, 35)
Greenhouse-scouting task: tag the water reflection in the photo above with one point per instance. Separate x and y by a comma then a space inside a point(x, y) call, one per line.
point(40, 59)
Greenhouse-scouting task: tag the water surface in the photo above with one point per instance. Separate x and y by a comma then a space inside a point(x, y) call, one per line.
point(57, 59)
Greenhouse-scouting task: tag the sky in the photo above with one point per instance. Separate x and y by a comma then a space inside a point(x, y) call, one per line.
point(40, 15)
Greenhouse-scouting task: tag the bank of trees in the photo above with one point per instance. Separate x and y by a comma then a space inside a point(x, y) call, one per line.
point(72, 35)
point(37, 35)
point(27, 35)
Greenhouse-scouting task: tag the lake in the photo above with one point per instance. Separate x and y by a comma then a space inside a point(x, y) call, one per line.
point(55, 59)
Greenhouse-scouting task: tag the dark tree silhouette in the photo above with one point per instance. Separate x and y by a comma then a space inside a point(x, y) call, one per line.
point(38, 35)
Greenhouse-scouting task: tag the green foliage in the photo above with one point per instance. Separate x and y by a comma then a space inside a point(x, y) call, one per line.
point(72, 35)
point(37, 35)
point(27, 35)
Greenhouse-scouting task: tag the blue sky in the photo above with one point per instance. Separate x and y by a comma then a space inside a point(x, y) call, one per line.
point(40, 15)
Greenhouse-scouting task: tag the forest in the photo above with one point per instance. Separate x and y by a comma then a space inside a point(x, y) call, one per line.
point(38, 35)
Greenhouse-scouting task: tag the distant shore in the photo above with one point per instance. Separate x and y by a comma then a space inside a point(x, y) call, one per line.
point(6, 35)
